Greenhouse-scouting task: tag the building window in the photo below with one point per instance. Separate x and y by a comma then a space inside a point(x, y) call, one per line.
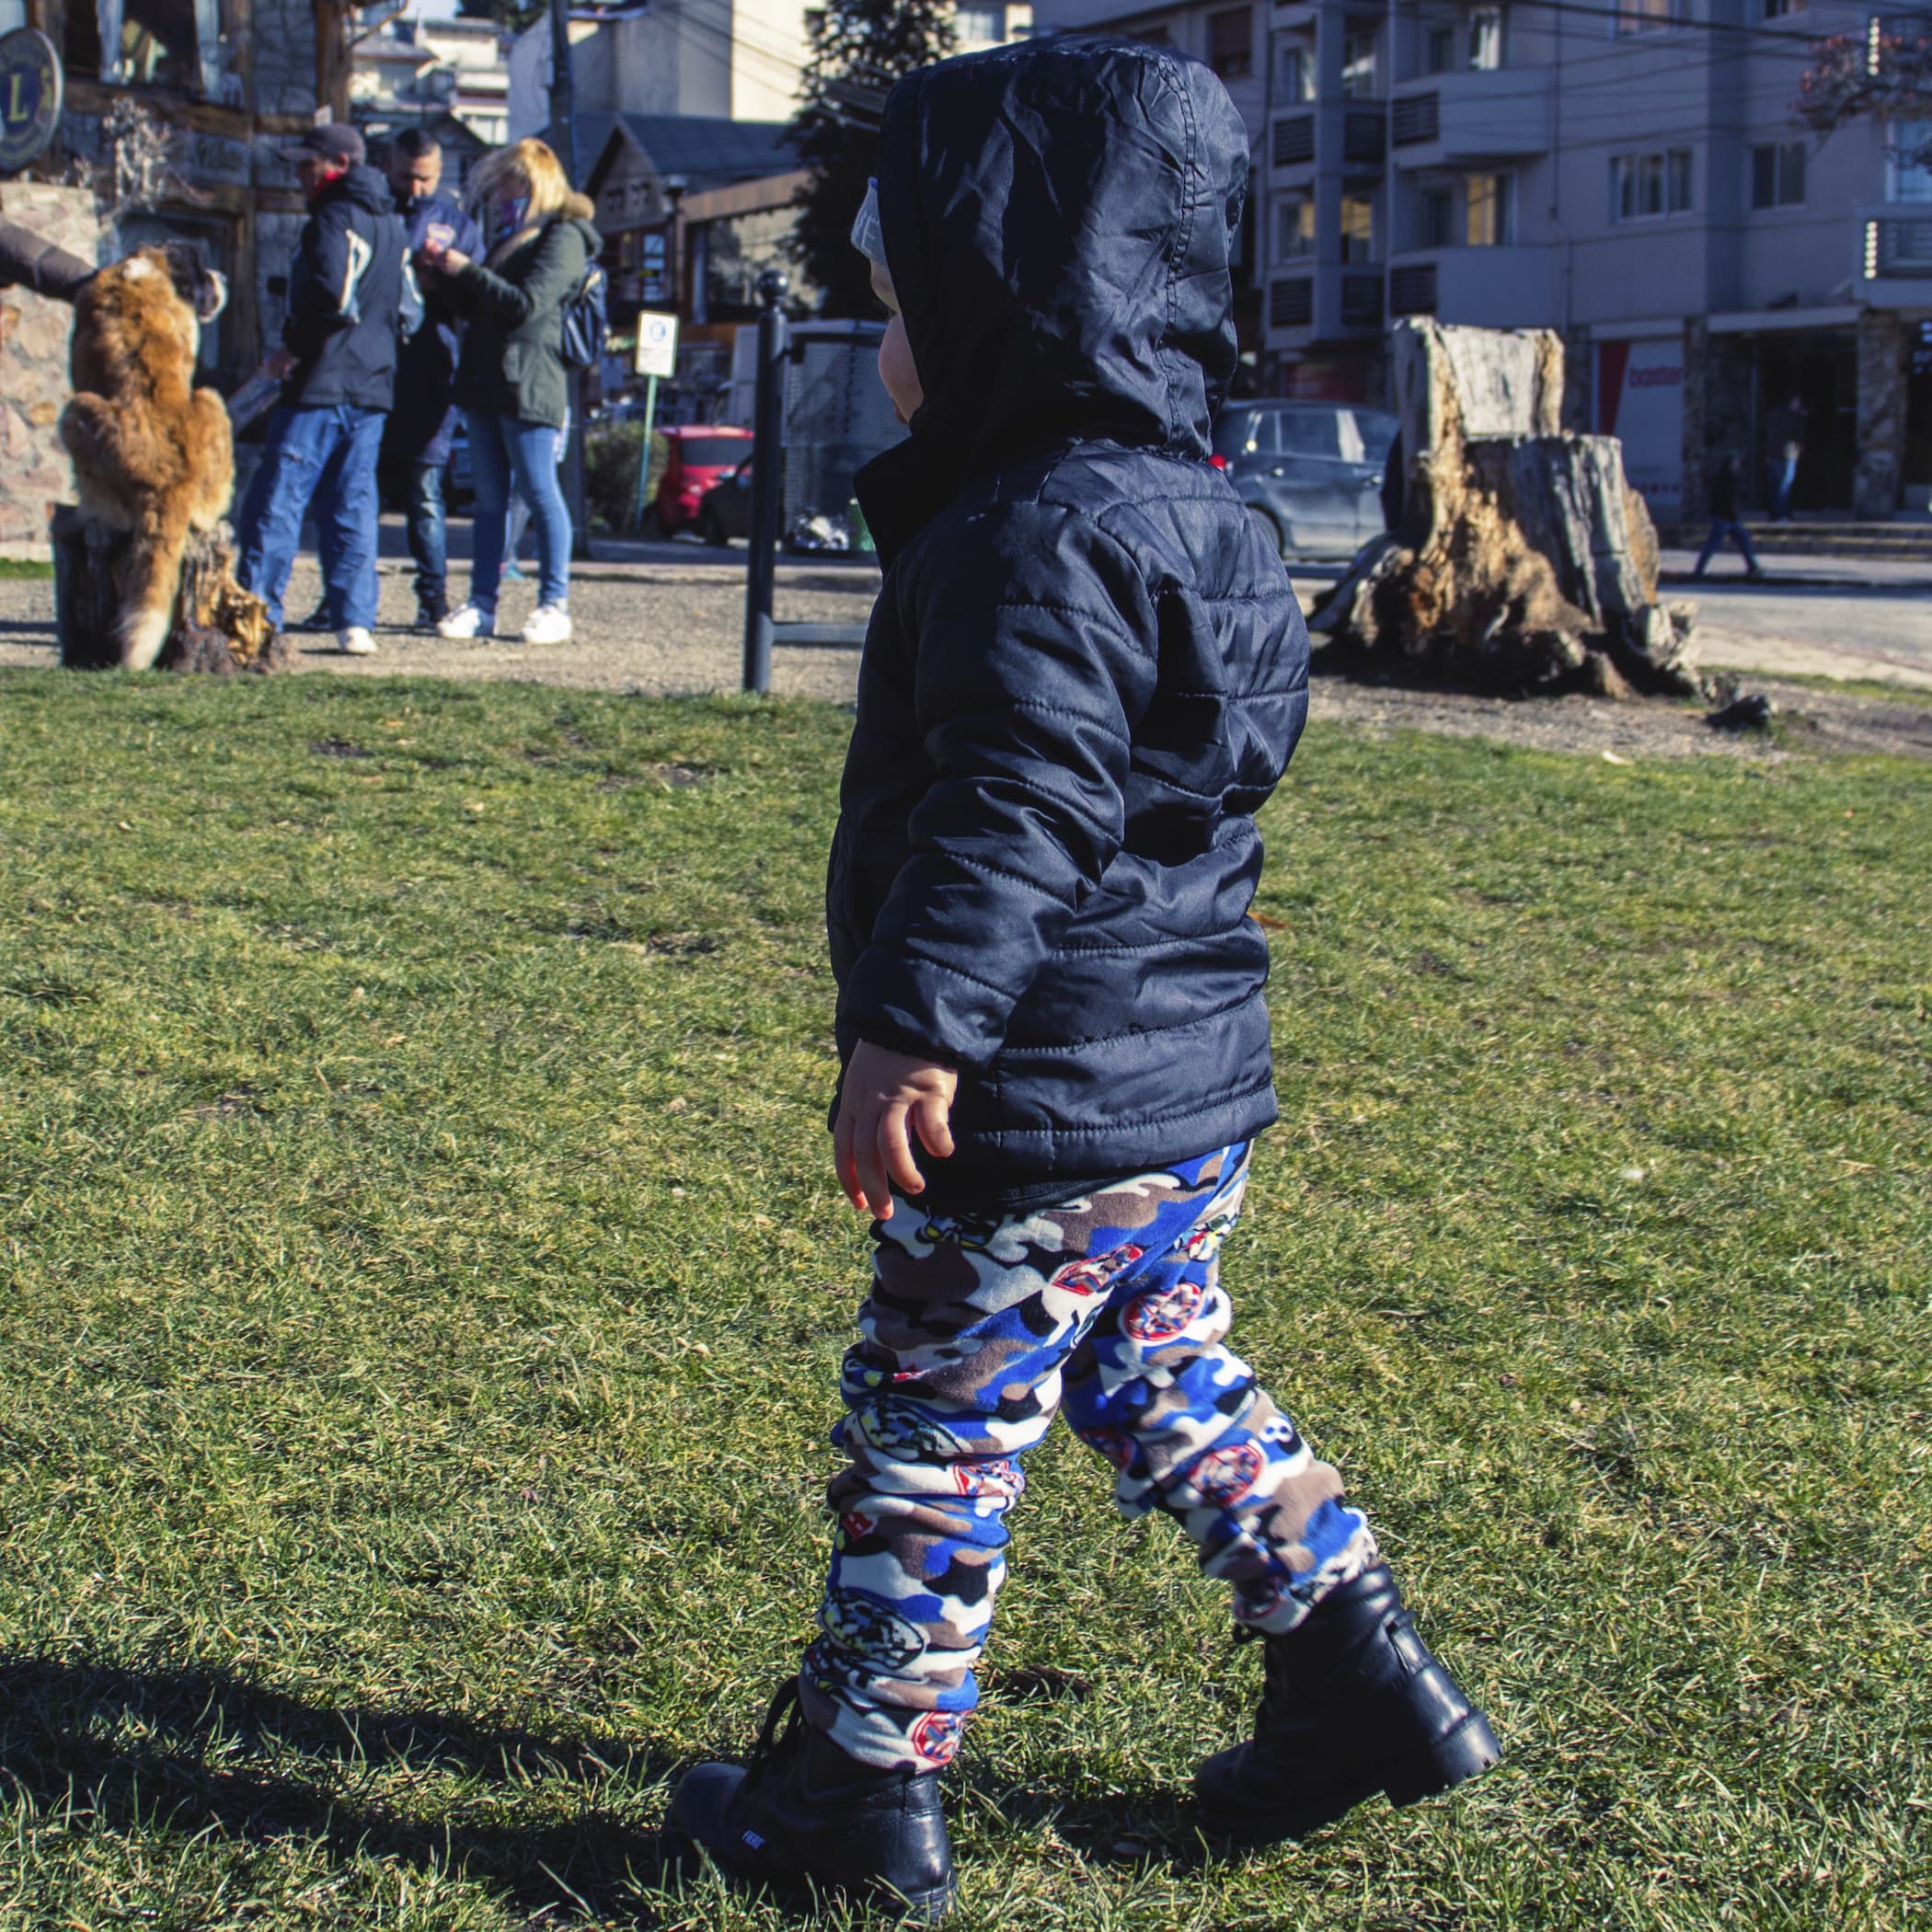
point(1294, 228)
point(1231, 43)
point(981, 25)
point(1490, 211)
point(1782, 9)
point(1439, 50)
point(1358, 65)
point(1649, 16)
point(162, 43)
point(1358, 228)
point(1644, 186)
point(1294, 71)
point(1488, 39)
point(1778, 175)
point(1909, 165)
point(1435, 219)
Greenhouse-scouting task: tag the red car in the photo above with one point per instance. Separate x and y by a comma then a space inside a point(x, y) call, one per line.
point(701, 455)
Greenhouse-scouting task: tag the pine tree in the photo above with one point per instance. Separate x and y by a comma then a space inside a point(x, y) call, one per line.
point(858, 48)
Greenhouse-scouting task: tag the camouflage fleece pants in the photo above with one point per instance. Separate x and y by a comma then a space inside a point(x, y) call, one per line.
point(975, 1333)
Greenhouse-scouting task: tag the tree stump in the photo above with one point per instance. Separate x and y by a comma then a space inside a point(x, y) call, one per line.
point(1521, 558)
point(218, 626)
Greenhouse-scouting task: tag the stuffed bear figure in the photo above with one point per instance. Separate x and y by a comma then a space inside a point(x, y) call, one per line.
point(152, 454)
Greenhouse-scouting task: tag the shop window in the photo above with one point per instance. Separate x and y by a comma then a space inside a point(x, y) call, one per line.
point(164, 43)
point(1489, 29)
point(1643, 186)
point(1488, 204)
point(1358, 228)
point(1231, 43)
point(1778, 175)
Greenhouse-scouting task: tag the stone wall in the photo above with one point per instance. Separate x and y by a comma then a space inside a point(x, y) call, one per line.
point(34, 471)
point(1884, 374)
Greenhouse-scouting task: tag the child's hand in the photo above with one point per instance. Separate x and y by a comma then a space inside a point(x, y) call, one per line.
point(882, 1089)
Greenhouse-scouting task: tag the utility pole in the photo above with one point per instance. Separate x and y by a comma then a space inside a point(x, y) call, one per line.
point(563, 141)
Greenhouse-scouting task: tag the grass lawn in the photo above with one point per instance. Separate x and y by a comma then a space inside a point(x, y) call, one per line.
point(421, 1281)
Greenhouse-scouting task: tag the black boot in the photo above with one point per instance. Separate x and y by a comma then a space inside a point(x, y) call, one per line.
point(805, 1817)
point(1354, 1704)
point(431, 610)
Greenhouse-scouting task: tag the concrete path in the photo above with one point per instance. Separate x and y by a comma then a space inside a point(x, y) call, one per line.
point(1811, 616)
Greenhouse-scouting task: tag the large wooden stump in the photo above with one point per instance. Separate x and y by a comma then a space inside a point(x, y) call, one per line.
point(218, 626)
point(1521, 558)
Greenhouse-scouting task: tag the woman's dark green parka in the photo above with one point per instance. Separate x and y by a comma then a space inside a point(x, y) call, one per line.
point(513, 361)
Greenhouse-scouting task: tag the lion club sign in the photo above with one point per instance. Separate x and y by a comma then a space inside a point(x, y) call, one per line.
point(29, 97)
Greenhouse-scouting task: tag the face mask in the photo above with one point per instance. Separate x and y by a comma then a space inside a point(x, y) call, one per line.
point(510, 216)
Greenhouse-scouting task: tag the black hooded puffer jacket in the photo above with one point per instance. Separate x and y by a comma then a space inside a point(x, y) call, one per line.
point(1086, 671)
point(345, 290)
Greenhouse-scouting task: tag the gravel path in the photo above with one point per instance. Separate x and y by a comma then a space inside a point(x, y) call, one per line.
point(659, 627)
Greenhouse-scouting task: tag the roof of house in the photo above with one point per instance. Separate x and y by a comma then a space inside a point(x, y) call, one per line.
point(708, 150)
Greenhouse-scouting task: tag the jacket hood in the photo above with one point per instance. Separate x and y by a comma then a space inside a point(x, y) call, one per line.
point(365, 188)
point(1059, 217)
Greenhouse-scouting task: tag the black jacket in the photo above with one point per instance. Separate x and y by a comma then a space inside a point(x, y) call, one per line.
point(345, 292)
point(1086, 669)
point(513, 350)
point(419, 427)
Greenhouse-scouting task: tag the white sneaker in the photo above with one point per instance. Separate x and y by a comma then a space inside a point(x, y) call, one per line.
point(551, 624)
point(355, 642)
point(469, 621)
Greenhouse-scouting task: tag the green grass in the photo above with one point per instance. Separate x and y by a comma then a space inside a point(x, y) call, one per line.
point(421, 1283)
point(25, 569)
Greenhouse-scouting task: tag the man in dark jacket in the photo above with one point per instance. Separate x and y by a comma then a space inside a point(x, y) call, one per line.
point(1084, 676)
point(338, 370)
point(416, 444)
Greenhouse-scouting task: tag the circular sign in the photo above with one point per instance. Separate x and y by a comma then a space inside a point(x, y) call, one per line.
point(29, 97)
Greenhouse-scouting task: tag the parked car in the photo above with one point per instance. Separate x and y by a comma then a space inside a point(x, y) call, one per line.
point(699, 455)
point(1309, 472)
point(725, 511)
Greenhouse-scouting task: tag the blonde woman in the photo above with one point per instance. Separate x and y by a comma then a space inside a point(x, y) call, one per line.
point(511, 379)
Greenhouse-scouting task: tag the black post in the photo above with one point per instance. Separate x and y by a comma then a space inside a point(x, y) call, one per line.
point(767, 461)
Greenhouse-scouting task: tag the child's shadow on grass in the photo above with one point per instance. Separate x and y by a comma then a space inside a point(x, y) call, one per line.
point(199, 1747)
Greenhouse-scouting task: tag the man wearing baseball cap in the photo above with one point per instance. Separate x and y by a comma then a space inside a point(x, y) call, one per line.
point(338, 370)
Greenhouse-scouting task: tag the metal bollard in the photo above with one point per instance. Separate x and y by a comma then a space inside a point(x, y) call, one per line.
point(768, 465)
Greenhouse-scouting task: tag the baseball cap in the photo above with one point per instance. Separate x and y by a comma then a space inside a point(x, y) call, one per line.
point(330, 142)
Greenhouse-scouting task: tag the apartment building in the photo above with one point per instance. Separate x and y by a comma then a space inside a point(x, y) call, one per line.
point(1628, 172)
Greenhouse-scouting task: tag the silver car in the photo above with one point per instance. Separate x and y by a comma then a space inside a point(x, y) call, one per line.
point(1309, 472)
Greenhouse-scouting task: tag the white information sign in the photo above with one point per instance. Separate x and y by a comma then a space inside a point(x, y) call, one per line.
point(657, 343)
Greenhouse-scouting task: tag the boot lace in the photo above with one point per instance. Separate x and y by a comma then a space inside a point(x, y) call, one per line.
point(774, 1748)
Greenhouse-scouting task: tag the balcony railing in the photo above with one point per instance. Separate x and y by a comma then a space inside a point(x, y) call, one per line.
point(1896, 241)
point(1411, 291)
point(1415, 118)
point(1294, 141)
point(1360, 301)
point(1291, 304)
point(1364, 133)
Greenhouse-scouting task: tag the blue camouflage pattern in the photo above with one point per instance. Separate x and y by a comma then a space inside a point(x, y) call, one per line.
point(976, 1331)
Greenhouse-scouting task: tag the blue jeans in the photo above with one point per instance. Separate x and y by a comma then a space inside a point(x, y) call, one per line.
point(1784, 474)
point(1721, 527)
point(429, 542)
point(503, 451)
point(322, 460)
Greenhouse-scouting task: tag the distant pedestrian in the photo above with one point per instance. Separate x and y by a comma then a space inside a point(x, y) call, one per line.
point(511, 379)
point(337, 365)
point(415, 445)
point(1784, 430)
point(1721, 487)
